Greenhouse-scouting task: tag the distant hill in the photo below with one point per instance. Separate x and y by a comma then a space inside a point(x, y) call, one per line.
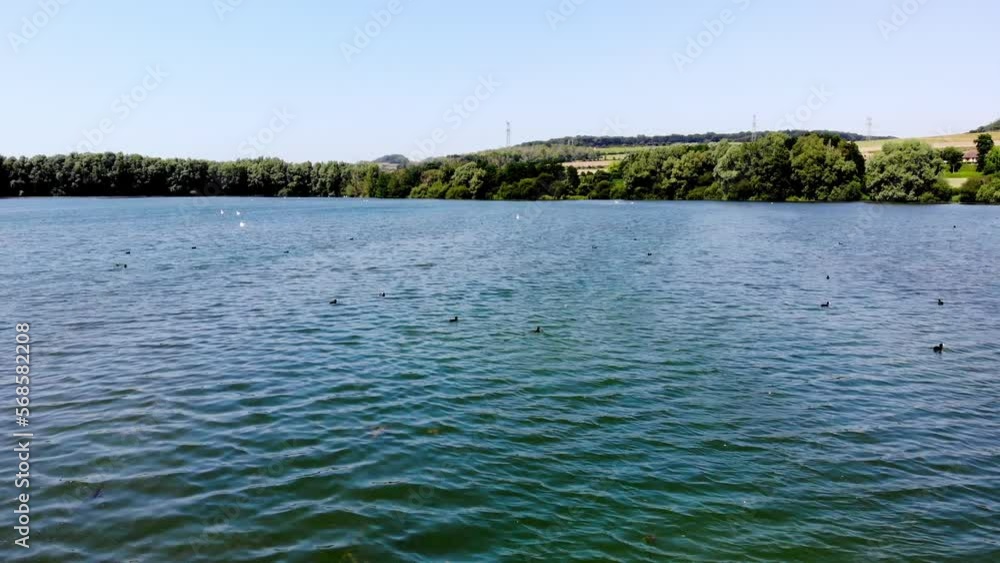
point(660, 140)
point(995, 126)
point(396, 159)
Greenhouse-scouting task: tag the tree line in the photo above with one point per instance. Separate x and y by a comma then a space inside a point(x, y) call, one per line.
point(774, 167)
point(522, 173)
point(681, 139)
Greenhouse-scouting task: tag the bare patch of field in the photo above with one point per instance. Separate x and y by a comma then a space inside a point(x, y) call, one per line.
point(589, 166)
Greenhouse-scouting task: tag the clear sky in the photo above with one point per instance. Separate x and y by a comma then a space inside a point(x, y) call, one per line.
point(222, 79)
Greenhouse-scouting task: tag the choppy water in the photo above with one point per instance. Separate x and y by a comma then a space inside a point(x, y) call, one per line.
point(687, 400)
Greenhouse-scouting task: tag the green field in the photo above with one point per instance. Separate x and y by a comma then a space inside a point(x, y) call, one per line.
point(967, 171)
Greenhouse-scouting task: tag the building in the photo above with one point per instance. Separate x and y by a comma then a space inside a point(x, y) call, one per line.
point(971, 157)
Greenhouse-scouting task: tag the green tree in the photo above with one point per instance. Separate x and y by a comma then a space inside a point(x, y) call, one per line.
point(905, 171)
point(989, 192)
point(4, 179)
point(953, 158)
point(991, 164)
point(573, 177)
point(822, 172)
point(760, 170)
point(468, 182)
point(984, 144)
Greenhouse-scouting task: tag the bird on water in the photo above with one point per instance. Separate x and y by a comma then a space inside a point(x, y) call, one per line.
point(455, 320)
point(538, 330)
point(940, 303)
point(939, 349)
point(334, 302)
point(825, 305)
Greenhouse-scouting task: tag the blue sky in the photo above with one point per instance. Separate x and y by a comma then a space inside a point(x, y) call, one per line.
point(206, 78)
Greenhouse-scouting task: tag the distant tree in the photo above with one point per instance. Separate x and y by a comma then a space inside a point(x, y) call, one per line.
point(760, 170)
point(471, 179)
point(992, 162)
point(905, 172)
point(4, 179)
point(572, 177)
point(953, 158)
point(989, 192)
point(821, 172)
point(984, 144)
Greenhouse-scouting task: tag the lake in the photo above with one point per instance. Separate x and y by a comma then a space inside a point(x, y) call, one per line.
point(687, 399)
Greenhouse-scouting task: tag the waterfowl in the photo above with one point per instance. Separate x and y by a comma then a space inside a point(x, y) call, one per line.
point(194, 248)
point(940, 303)
point(939, 349)
point(455, 320)
point(334, 302)
point(382, 295)
point(825, 305)
point(827, 277)
point(538, 330)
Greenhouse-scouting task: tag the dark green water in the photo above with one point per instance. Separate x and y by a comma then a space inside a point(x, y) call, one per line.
point(688, 399)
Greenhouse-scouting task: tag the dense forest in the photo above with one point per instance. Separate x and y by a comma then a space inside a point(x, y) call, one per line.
point(775, 167)
point(677, 139)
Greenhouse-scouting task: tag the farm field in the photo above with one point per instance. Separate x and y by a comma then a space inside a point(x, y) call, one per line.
point(964, 141)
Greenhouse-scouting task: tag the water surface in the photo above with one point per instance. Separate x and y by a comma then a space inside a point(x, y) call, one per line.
point(687, 400)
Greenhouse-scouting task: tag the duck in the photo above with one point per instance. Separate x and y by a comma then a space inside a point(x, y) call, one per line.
point(825, 305)
point(538, 330)
point(382, 295)
point(940, 303)
point(334, 302)
point(939, 349)
point(455, 320)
